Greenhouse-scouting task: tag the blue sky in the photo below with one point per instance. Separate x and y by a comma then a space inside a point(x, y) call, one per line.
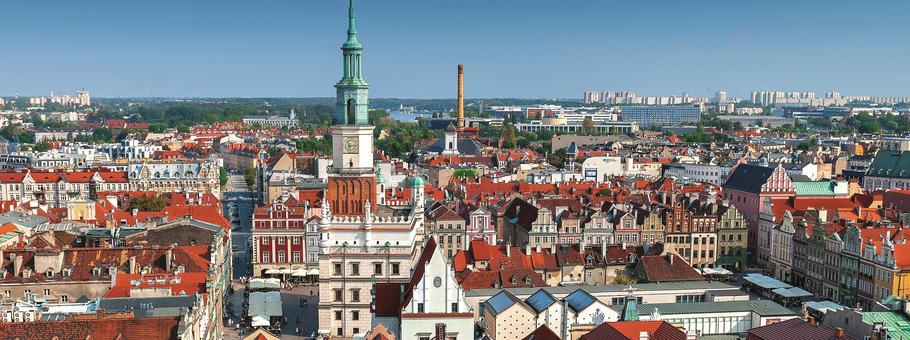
point(510, 48)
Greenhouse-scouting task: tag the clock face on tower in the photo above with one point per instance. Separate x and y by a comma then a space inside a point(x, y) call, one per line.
point(351, 145)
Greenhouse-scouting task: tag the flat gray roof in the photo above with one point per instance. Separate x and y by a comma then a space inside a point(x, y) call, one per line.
point(761, 307)
point(643, 287)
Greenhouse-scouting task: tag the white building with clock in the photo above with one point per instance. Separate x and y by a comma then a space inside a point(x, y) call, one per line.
point(432, 297)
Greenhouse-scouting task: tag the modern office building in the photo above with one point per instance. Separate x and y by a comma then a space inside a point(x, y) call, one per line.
point(661, 115)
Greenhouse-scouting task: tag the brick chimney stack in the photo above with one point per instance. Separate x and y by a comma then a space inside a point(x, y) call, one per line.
point(460, 97)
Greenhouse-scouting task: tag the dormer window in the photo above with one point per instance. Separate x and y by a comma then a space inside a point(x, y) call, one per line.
point(112, 270)
point(146, 270)
point(528, 279)
point(514, 280)
point(67, 272)
point(49, 273)
point(26, 273)
point(180, 269)
point(96, 271)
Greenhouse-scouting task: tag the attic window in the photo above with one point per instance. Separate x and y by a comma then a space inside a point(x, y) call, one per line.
point(96, 271)
point(66, 272)
point(514, 280)
point(49, 273)
point(528, 279)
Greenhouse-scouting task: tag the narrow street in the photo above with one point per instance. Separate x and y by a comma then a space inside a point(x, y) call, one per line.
point(239, 204)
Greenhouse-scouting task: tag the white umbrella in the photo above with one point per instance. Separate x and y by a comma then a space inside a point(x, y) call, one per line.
point(299, 273)
point(260, 321)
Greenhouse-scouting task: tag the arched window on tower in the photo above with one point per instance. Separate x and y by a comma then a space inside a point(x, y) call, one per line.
point(450, 145)
point(350, 111)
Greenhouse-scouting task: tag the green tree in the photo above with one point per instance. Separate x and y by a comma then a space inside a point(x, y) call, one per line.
point(102, 135)
point(587, 126)
point(250, 177)
point(557, 158)
point(148, 203)
point(807, 145)
point(223, 176)
point(41, 147)
point(623, 279)
point(507, 139)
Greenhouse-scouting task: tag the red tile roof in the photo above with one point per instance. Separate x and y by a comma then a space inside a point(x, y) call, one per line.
point(94, 326)
point(542, 333)
point(786, 330)
point(660, 269)
point(632, 329)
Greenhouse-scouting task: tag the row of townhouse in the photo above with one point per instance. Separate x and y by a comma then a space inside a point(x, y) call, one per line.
point(854, 262)
point(706, 232)
point(456, 229)
point(57, 188)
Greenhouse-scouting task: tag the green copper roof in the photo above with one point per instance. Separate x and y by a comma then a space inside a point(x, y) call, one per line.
point(813, 188)
point(630, 311)
point(898, 326)
point(352, 42)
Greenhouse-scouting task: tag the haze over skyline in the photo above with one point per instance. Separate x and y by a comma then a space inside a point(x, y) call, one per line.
point(524, 49)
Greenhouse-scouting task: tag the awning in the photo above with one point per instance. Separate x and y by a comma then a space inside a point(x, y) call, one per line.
point(261, 283)
point(260, 321)
point(791, 292)
point(299, 273)
point(313, 272)
point(265, 303)
point(285, 271)
point(716, 271)
point(765, 281)
point(272, 271)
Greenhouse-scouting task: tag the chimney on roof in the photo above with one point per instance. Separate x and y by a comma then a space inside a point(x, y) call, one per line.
point(811, 321)
point(133, 268)
point(838, 333)
point(553, 248)
point(537, 249)
point(135, 212)
point(17, 265)
point(508, 250)
point(168, 258)
point(670, 257)
point(528, 249)
point(603, 249)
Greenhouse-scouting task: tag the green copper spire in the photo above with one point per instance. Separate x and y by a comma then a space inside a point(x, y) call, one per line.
point(352, 42)
point(630, 310)
point(352, 96)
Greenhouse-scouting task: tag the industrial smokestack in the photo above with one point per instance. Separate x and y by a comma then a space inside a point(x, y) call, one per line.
point(460, 96)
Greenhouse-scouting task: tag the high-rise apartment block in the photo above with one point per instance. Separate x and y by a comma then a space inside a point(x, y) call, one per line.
point(661, 115)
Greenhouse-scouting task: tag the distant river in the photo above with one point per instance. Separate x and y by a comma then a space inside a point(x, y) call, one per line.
point(407, 116)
